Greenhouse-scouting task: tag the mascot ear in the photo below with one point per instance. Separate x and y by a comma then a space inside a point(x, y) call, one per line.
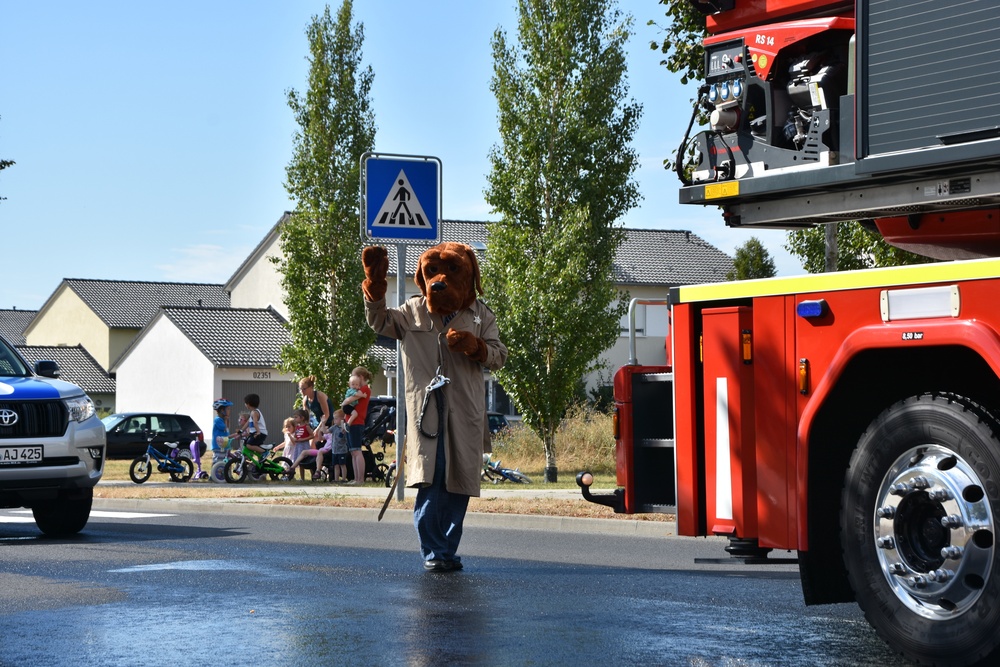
point(418, 276)
point(476, 279)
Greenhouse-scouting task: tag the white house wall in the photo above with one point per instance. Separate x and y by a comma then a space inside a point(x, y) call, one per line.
point(260, 286)
point(165, 372)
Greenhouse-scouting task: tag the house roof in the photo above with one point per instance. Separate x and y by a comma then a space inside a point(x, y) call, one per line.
point(75, 365)
point(127, 304)
point(669, 257)
point(13, 323)
point(646, 257)
point(232, 337)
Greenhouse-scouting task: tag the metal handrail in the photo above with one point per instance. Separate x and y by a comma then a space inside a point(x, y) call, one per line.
point(632, 361)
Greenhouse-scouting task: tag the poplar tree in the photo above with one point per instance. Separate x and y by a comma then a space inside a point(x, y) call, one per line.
point(561, 177)
point(321, 243)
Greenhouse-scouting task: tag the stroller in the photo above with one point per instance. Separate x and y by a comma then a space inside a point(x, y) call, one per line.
point(380, 424)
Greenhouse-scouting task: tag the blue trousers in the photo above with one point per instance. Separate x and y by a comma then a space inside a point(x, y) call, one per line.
point(438, 514)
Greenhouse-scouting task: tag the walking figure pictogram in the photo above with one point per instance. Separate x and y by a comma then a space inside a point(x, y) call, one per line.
point(401, 207)
point(402, 194)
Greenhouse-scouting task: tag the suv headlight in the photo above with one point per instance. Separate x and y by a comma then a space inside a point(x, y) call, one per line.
point(80, 408)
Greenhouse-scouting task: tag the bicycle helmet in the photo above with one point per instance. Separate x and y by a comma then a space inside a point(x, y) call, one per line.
point(221, 403)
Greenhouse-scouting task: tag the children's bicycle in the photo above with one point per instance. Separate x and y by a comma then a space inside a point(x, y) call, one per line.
point(178, 467)
point(245, 462)
point(493, 471)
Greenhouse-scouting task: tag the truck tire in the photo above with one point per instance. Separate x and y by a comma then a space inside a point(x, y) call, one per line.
point(65, 516)
point(918, 517)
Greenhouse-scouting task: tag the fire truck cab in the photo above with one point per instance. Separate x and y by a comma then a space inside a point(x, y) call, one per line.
point(851, 418)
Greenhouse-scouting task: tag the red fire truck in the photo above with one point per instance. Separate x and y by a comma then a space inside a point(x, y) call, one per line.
point(850, 418)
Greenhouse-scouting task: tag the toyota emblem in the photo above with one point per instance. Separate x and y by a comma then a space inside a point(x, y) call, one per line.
point(7, 417)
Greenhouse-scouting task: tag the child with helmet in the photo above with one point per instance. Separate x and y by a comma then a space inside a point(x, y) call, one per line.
point(220, 433)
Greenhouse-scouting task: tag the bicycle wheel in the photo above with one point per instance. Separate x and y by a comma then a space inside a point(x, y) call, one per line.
point(185, 475)
point(381, 472)
point(235, 471)
point(218, 472)
point(390, 473)
point(284, 462)
point(516, 476)
point(140, 470)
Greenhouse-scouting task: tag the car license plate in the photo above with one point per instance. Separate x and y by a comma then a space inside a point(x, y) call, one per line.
point(20, 455)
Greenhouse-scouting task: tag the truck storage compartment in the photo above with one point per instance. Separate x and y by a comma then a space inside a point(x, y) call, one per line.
point(644, 401)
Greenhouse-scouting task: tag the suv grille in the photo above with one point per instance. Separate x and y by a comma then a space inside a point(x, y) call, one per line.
point(35, 419)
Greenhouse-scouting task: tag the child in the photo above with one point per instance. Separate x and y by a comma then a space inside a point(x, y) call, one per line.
point(356, 430)
point(256, 429)
point(339, 447)
point(301, 436)
point(287, 430)
point(319, 452)
point(353, 386)
point(220, 430)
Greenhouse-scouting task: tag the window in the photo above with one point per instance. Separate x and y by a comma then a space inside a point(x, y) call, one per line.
point(640, 321)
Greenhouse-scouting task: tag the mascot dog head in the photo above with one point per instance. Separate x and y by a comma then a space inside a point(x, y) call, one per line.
point(448, 276)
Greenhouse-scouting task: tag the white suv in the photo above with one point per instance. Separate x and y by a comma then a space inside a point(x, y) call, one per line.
point(51, 445)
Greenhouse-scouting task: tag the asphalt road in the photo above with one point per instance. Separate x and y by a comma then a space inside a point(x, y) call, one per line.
point(184, 583)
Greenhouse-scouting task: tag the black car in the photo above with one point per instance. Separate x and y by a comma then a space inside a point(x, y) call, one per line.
point(127, 432)
point(498, 422)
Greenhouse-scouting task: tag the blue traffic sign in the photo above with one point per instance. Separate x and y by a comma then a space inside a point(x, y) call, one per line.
point(402, 198)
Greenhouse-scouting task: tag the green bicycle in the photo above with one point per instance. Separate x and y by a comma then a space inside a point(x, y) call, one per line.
point(245, 462)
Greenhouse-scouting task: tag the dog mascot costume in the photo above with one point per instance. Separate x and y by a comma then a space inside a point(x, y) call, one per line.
point(447, 335)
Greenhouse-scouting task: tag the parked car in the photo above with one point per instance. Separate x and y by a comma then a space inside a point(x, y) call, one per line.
point(498, 422)
point(127, 432)
point(51, 445)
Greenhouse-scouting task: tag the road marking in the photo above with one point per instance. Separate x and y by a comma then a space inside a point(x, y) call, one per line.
point(102, 514)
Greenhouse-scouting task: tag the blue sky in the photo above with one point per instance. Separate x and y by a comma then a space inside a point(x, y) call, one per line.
point(151, 138)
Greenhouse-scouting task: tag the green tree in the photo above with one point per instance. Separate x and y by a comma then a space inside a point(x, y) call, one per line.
point(859, 247)
point(320, 242)
point(681, 46)
point(560, 178)
point(752, 261)
point(3, 165)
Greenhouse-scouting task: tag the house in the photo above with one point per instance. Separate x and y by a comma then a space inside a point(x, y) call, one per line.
point(649, 262)
point(104, 316)
point(176, 347)
point(186, 357)
point(77, 366)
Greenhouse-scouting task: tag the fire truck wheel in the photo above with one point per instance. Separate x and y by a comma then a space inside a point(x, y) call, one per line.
point(917, 527)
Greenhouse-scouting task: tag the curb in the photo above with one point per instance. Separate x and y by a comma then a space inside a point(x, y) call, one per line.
point(549, 524)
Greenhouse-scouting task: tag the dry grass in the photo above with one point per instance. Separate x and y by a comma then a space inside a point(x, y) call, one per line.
point(584, 443)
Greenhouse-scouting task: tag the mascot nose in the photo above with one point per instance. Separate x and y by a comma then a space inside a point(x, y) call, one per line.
point(438, 286)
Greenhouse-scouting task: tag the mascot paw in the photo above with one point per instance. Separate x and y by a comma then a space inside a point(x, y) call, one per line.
point(376, 262)
point(468, 344)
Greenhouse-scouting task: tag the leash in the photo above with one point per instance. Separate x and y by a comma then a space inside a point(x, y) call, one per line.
point(392, 489)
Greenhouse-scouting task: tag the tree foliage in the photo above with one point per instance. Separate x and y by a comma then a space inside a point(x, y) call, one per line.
point(321, 242)
point(681, 46)
point(560, 178)
point(859, 247)
point(752, 261)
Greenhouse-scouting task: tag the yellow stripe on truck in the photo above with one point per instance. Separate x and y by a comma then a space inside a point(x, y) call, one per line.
point(822, 282)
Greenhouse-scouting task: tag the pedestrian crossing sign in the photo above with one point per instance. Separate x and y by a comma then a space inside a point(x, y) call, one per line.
point(402, 198)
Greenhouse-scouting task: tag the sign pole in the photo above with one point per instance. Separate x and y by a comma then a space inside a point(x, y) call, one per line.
point(400, 387)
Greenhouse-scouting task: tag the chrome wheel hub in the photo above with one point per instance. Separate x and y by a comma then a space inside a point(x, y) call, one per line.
point(934, 532)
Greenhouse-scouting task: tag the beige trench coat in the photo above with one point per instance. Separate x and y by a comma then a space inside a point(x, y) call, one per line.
point(423, 348)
